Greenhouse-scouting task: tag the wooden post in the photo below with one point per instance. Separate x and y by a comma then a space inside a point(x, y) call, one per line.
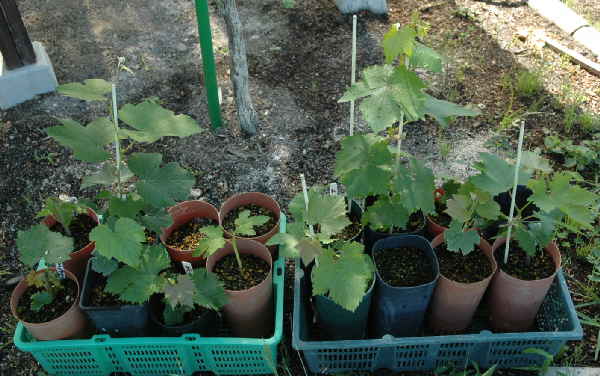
point(15, 45)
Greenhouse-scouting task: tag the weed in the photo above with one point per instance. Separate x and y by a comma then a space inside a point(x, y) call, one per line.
point(528, 84)
point(465, 13)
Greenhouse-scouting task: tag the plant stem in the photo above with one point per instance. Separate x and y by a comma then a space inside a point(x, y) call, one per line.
point(237, 254)
point(400, 134)
point(353, 78)
point(117, 142)
point(514, 191)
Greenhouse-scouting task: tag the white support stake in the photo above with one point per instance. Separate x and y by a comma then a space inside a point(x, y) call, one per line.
point(117, 143)
point(353, 78)
point(187, 267)
point(333, 189)
point(305, 192)
point(60, 270)
point(514, 191)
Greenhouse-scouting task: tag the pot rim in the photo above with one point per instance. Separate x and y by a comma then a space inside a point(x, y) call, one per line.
point(74, 306)
point(49, 221)
point(439, 239)
point(240, 249)
point(436, 265)
point(557, 261)
point(269, 233)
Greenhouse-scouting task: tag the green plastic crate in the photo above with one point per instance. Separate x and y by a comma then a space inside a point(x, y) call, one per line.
point(102, 355)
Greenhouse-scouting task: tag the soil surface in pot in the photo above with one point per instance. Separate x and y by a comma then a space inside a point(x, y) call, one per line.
point(527, 268)
point(188, 236)
point(404, 266)
point(101, 298)
point(80, 228)
point(188, 317)
point(255, 271)
point(351, 231)
point(440, 217)
point(63, 300)
point(473, 267)
point(416, 221)
point(151, 236)
point(229, 220)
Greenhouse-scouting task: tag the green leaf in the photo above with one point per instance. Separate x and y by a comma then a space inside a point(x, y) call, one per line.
point(533, 161)
point(245, 222)
point(155, 259)
point(386, 213)
point(212, 242)
point(129, 207)
point(458, 240)
point(542, 231)
point(103, 265)
point(174, 316)
point(160, 186)
point(63, 212)
point(124, 242)
point(181, 292)
point(210, 290)
point(106, 176)
point(526, 240)
point(156, 220)
point(329, 212)
point(87, 142)
point(442, 110)
point(415, 185)
point(559, 194)
point(425, 57)
point(151, 122)
point(40, 299)
point(496, 175)
point(132, 285)
point(458, 208)
point(357, 91)
point(39, 242)
point(357, 269)
point(91, 90)
point(363, 164)
point(380, 111)
point(397, 42)
point(487, 207)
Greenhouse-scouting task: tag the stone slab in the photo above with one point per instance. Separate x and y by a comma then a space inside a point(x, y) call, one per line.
point(573, 371)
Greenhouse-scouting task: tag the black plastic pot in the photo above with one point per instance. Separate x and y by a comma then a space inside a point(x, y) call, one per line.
point(337, 323)
point(206, 325)
point(118, 321)
point(400, 311)
point(371, 236)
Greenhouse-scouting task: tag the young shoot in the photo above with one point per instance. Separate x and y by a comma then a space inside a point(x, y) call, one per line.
point(183, 292)
point(62, 211)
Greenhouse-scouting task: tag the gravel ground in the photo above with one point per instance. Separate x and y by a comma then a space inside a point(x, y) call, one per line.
point(300, 64)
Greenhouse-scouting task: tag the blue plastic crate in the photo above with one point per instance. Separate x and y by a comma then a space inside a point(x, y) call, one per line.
point(557, 323)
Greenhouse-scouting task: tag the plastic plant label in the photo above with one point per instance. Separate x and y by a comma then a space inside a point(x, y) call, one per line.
point(60, 270)
point(333, 189)
point(187, 267)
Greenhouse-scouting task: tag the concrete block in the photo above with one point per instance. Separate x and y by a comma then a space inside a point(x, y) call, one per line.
point(22, 84)
point(573, 371)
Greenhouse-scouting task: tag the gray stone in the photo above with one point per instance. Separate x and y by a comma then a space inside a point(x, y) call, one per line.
point(21, 84)
point(573, 371)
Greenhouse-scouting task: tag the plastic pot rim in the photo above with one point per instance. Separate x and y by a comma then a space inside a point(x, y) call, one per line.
point(440, 238)
point(74, 306)
point(557, 261)
point(436, 266)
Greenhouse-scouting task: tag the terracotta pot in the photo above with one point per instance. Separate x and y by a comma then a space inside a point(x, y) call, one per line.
point(249, 312)
point(514, 302)
point(79, 259)
point(454, 303)
point(433, 228)
point(255, 198)
point(72, 324)
point(183, 213)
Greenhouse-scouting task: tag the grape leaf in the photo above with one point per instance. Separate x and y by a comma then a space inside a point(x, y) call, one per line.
point(128, 207)
point(526, 240)
point(151, 122)
point(103, 265)
point(533, 161)
point(91, 90)
point(40, 299)
point(62, 211)
point(458, 208)
point(442, 110)
point(156, 220)
point(357, 269)
point(415, 185)
point(210, 291)
point(212, 242)
point(132, 285)
point(459, 240)
point(397, 42)
point(329, 212)
point(106, 176)
point(155, 259)
point(488, 209)
point(245, 222)
point(39, 242)
point(87, 142)
point(425, 57)
point(360, 89)
point(123, 242)
point(174, 316)
point(496, 175)
point(160, 186)
point(181, 292)
point(386, 213)
point(559, 194)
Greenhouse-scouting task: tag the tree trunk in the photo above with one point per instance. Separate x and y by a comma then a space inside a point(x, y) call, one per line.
point(239, 66)
point(355, 6)
point(15, 45)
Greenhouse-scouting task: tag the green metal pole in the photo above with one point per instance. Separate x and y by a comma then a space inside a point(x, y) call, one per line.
point(208, 63)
